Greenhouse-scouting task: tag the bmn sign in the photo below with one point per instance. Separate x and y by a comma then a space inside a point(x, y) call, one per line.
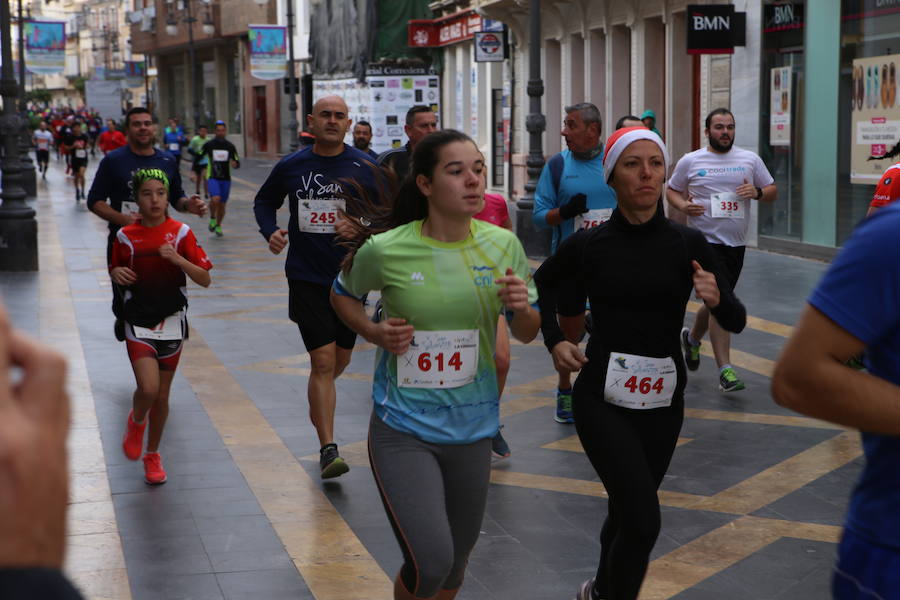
point(714, 28)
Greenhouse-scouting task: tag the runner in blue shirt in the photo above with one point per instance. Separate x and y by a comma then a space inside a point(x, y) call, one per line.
point(572, 194)
point(110, 196)
point(856, 308)
point(173, 139)
point(317, 180)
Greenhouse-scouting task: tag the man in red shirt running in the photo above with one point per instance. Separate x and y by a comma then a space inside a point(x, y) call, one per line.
point(111, 139)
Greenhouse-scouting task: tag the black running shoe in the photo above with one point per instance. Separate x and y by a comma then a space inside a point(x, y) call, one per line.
point(691, 352)
point(330, 462)
point(499, 447)
point(119, 330)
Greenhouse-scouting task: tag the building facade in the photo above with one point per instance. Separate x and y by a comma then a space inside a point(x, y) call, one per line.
point(622, 56)
point(223, 87)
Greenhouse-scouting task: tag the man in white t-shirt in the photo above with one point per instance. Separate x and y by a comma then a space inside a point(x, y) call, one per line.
point(714, 186)
point(42, 139)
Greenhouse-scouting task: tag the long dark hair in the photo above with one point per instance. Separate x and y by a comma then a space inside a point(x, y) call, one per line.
point(407, 202)
point(889, 154)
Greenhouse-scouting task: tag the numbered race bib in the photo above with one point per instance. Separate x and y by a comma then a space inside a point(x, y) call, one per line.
point(80, 153)
point(169, 329)
point(727, 205)
point(319, 216)
point(220, 155)
point(639, 382)
point(592, 218)
point(43, 145)
point(174, 146)
point(439, 359)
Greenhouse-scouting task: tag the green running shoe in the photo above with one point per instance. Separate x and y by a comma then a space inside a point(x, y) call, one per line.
point(564, 407)
point(219, 231)
point(212, 224)
point(729, 381)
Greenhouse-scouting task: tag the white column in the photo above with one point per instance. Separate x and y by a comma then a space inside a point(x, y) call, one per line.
point(595, 75)
point(637, 63)
point(573, 70)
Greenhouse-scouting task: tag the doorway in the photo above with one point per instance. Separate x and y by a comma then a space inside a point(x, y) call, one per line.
point(260, 121)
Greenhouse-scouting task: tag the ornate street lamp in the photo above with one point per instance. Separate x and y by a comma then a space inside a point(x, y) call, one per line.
point(535, 241)
point(18, 227)
point(29, 177)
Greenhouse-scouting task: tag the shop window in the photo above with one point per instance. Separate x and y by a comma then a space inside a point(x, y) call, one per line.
point(781, 127)
point(869, 107)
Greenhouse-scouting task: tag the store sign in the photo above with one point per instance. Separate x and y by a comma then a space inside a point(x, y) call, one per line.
point(434, 33)
point(490, 46)
point(780, 106)
point(714, 28)
point(782, 17)
point(862, 9)
point(875, 118)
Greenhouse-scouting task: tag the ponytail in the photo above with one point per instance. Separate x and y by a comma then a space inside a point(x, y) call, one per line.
point(407, 202)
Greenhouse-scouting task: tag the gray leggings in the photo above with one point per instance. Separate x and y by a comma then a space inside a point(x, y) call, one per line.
point(434, 496)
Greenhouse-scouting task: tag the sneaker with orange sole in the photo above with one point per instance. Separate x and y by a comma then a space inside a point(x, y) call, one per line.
point(154, 474)
point(133, 441)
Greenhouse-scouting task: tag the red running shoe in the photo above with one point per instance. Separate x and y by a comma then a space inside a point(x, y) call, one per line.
point(154, 474)
point(133, 442)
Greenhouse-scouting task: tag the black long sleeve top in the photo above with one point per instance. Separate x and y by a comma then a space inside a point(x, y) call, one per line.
point(36, 583)
point(638, 279)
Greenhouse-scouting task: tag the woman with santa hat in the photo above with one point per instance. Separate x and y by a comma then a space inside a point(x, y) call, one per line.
point(628, 402)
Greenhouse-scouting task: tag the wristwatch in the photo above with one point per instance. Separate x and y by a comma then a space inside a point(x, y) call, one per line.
point(759, 193)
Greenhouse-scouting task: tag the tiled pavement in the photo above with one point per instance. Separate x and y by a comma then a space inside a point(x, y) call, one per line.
point(752, 504)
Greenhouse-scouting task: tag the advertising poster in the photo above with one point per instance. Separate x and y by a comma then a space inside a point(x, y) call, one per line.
point(134, 72)
point(383, 100)
point(45, 47)
point(268, 51)
point(875, 116)
point(780, 107)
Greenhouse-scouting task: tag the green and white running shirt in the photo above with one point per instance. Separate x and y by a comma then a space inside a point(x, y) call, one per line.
point(444, 389)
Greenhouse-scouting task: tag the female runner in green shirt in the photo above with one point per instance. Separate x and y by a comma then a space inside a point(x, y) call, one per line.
point(444, 280)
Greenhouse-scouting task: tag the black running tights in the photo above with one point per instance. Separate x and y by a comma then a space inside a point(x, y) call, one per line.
point(434, 496)
point(630, 450)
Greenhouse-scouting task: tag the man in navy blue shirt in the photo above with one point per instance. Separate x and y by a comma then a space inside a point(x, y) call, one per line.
point(110, 196)
point(314, 179)
point(856, 308)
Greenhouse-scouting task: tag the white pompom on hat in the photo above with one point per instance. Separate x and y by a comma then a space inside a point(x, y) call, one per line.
point(621, 139)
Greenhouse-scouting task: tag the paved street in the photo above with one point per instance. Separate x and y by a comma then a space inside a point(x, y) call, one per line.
point(752, 504)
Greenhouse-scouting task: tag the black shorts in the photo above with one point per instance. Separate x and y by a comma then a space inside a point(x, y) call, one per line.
point(198, 168)
point(309, 307)
point(78, 163)
point(43, 155)
point(731, 261)
point(572, 299)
